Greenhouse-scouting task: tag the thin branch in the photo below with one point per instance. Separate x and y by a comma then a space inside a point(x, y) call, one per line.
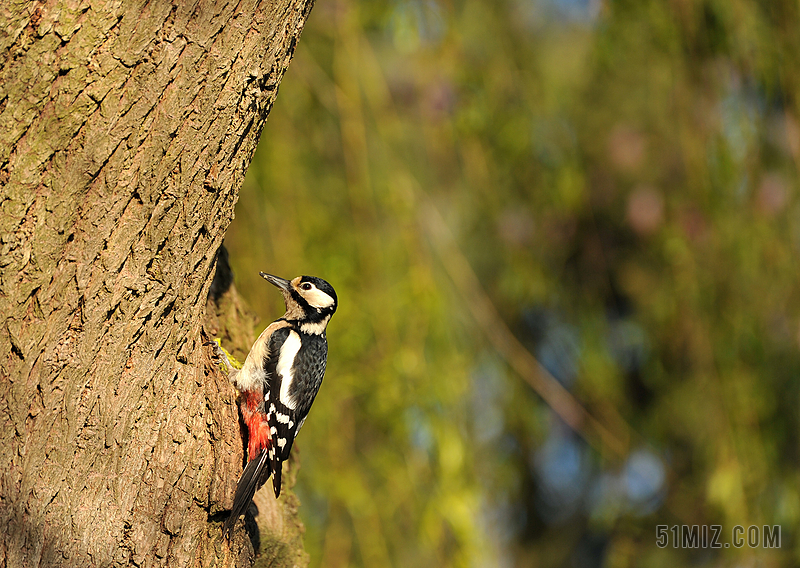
point(505, 342)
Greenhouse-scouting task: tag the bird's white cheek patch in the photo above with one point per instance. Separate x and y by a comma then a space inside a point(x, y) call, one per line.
point(318, 298)
point(288, 352)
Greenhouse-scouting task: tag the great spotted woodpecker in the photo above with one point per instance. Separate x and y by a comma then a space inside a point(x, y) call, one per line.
point(278, 382)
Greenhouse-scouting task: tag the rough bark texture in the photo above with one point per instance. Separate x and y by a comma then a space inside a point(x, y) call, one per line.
point(126, 128)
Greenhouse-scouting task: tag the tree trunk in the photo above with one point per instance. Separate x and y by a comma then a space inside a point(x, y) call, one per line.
point(126, 128)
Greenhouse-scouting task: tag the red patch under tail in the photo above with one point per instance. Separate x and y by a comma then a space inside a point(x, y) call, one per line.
point(257, 428)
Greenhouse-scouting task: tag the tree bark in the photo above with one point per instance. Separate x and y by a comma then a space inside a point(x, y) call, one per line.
point(126, 128)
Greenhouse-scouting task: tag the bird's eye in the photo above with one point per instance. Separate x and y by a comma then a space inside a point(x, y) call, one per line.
point(305, 286)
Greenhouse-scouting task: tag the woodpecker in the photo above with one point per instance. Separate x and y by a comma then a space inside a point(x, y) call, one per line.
point(279, 381)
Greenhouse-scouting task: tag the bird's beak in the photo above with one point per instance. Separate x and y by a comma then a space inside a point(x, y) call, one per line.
point(281, 283)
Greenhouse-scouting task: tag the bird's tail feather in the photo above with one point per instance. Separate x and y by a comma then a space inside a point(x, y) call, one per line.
point(253, 476)
point(276, 478)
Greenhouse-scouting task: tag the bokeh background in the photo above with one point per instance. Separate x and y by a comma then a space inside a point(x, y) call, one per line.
point(564, 234)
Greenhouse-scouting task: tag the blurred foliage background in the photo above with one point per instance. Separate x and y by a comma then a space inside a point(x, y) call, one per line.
point(609, 187)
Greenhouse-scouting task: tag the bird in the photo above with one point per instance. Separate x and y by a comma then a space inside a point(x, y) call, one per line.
point(279, 381)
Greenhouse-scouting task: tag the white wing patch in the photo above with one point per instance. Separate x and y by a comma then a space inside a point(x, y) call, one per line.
point(289, 351)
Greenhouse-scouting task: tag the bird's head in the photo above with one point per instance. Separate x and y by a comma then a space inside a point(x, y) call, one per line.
point(309, 300)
